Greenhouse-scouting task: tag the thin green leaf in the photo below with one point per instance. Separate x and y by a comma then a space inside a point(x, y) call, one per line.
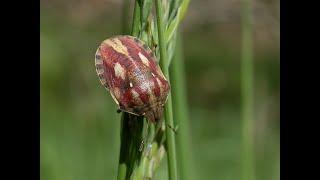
point(136, 20)
point(175, 7)
point(171, 48)
point(176, 21)
point(146, 6)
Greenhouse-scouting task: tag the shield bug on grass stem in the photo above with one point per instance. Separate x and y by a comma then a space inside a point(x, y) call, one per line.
point(127, 67)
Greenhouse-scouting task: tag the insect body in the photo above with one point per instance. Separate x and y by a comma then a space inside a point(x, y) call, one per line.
point(128, 69)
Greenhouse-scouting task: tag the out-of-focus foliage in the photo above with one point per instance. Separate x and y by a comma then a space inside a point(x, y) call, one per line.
point(80, 126)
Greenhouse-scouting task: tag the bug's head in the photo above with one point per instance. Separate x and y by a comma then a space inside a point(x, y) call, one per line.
point(154, 114)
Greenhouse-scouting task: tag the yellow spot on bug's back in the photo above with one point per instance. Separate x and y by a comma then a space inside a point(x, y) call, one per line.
point(152, 98)
point(116, 92)
point(119, 71)
point(144, 59)
point(134, 93)
point(161, 74)
point(147, 86)
point(136, 97)
point(131, 85)
point(114, 98)
point(117, 46)
point(160, 85)
point(153, 75)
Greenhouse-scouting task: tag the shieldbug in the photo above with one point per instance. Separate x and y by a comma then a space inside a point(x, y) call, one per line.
point(127, 67)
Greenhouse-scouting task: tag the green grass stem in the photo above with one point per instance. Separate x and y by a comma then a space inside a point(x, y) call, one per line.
point(170, 139)
point(179, 101)
point(131, 135)
point(247, 92)
point(136, 19)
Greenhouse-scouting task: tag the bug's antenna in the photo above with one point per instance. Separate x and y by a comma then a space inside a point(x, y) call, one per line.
point(175, 130)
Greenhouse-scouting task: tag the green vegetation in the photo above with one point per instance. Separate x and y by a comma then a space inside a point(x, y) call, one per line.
point(141, 162)
point(247, 93)
point(80, 129)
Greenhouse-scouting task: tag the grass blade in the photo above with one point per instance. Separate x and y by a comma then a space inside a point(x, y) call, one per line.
point(247, 92)
point(136, 19)
point(170, 139)
point(174, 23)
point(184, 153)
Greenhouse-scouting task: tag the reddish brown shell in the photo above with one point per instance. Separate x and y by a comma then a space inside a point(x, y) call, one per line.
point(127, 67)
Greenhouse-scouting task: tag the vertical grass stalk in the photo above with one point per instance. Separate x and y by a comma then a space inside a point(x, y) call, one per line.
point(136, 19)
point(172, 164)
point(131, 134)
point(142, 148)
point(179, 101)
point(247, 92)
point(140, 163)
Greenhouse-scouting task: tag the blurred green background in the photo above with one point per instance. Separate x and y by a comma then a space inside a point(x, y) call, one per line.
point(80, 127)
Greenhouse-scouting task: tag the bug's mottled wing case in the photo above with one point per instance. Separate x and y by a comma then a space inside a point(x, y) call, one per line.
point(128, 68)
point(145, 47)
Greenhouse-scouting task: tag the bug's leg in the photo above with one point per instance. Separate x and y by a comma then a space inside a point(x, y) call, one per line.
point(173, 129)
point(120, 109)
